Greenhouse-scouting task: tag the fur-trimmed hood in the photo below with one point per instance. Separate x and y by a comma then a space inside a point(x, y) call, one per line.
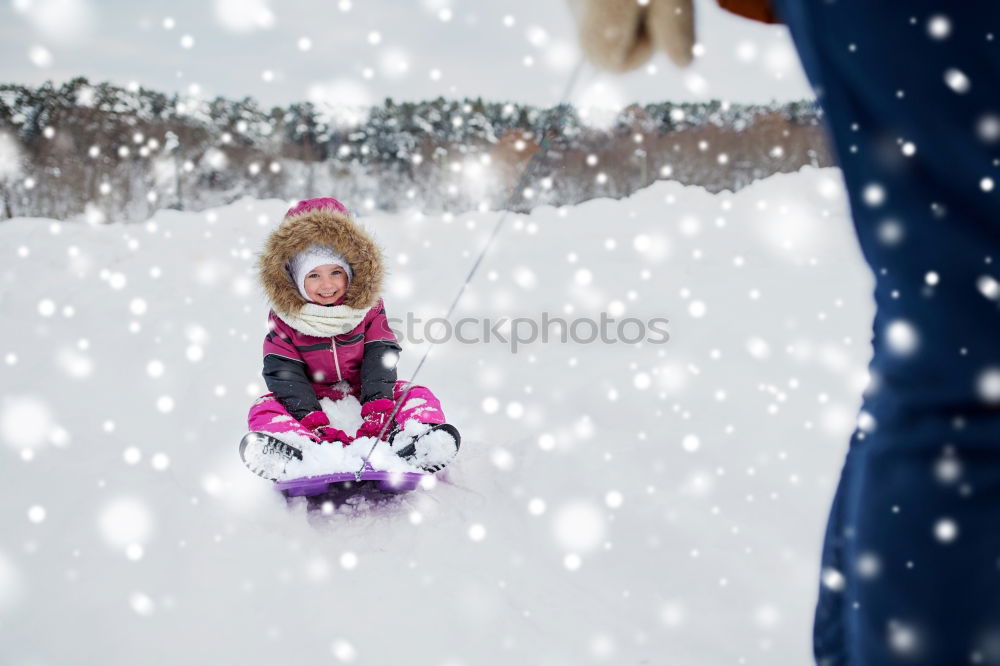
point(320, 226)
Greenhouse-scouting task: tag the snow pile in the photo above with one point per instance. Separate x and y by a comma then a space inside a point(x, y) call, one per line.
point(623, 496)
point(320, 459)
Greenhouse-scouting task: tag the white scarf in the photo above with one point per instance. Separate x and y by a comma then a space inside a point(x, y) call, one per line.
point(322, 321)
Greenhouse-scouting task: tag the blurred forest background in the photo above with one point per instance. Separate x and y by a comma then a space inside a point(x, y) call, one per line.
point(102, 153)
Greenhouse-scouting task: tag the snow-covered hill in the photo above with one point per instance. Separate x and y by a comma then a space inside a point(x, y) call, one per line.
point(612, 503)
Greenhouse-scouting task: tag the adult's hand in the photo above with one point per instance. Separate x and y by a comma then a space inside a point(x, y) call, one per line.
point(619, 35)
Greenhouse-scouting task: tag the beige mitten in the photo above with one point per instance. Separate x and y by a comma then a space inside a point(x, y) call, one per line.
point(619, 35)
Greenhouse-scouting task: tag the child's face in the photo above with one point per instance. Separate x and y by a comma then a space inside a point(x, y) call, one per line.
point(325, 284)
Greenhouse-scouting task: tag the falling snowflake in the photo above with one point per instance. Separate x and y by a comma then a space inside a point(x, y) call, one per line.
point(945, 530)
point(344, 651)
point(141, 604)
point(902, 337)
point(579, 526)
point(125, 521)
point(938, 26)
point(988, 385)
point(957, 81)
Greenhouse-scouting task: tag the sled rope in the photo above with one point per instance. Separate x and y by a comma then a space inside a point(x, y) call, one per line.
point(529, 169)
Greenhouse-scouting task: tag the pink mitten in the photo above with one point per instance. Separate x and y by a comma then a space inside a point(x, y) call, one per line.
point(376, 415)
point(319, 424)
point(330, 434)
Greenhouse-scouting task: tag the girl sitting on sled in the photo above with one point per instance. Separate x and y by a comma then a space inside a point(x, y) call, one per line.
point(329, 337)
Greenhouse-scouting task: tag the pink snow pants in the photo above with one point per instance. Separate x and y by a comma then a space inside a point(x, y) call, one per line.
point(268, 415)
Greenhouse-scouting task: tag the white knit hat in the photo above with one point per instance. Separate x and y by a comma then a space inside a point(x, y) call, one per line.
point(318, 255)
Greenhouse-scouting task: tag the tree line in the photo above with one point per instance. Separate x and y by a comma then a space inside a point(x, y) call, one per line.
point(101, 152)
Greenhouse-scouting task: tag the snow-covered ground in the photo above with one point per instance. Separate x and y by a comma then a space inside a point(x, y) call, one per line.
point(612, 503)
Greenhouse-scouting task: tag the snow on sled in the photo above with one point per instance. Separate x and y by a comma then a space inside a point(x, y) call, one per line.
point(299, 467)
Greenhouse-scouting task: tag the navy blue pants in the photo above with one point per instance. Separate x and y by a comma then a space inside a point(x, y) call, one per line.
point(911, 97)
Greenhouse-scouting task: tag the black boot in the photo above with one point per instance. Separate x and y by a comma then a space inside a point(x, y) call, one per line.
point(414, 454)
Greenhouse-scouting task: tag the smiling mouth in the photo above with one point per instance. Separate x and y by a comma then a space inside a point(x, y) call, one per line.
point(327, 295)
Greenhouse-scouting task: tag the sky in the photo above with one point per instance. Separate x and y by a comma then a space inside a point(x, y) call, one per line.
point(358, 52)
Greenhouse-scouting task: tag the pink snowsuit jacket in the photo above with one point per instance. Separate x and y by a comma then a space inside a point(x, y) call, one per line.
point(340, 358)
point(299, 366)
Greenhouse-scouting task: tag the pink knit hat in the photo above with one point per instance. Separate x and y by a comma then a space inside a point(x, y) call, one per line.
point(320, 203)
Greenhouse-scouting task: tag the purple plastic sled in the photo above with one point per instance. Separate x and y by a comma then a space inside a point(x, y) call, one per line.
point(392, 482)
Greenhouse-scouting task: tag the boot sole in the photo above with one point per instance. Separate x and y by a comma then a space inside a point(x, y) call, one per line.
point(272, 448)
